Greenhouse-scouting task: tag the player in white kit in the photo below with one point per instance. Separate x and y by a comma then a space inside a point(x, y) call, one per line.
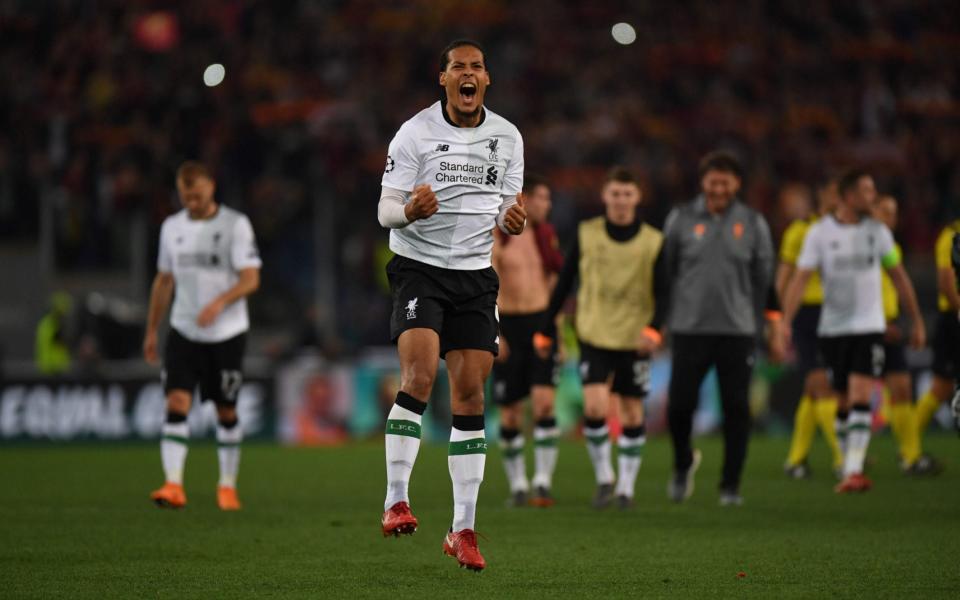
point(848, 248)
point(208, 254)
point(454, 172)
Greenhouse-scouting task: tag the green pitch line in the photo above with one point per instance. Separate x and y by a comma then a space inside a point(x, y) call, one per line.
point(75, 522)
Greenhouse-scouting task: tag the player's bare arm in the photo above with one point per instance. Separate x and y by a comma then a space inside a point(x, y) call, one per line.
point(791, 301)
point(946, 285)
point(775, 339)
point(784, 272)
point(160, 295)
point(918, 332)
point(248, 283)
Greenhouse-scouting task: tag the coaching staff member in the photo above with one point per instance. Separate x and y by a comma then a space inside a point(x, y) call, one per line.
point(719, 261)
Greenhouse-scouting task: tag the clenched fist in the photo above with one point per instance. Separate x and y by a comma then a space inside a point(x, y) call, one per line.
point(423, 203)
point(515, 218)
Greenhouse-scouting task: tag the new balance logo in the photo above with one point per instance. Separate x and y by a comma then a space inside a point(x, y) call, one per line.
point(442, 147)
point(412, 309)
point(492, 175)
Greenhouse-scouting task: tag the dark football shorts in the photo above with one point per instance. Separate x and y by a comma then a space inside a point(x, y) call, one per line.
point(894, 358)
point(461, 306)
point(946, 345)
point(217, 367)
point(845, 354)
point(805, 338)
point(523, 369)
point(629, 370)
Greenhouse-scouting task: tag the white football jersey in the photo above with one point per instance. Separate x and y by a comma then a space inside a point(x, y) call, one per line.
point(470, 169)
point(849, 259)
point(205, 256)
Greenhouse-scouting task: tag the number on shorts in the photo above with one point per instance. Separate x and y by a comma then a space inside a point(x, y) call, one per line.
point(877, 357)
point(641, 374)
point(230, 382)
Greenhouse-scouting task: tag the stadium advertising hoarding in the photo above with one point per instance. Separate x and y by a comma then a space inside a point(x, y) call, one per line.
point(66, 410)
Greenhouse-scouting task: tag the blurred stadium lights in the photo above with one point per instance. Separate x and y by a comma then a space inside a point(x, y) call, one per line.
point(213, 75)
point(624, 33)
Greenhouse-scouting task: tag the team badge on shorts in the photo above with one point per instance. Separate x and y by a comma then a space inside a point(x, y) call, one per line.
point(412, 309)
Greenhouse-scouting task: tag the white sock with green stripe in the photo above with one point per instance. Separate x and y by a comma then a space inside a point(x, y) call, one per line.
point(402, 445)
point(514, 463)
point(629, 457)
point(173, 447)
point(466, 459)
point(545, 434)
point(858, 439)
point(840, 427)
point(598, 447)
point(229, 436)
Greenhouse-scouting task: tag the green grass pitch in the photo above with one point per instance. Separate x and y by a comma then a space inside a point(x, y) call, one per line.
point(75, 522)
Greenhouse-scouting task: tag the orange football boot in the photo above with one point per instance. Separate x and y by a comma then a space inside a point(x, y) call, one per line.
point(227, 498)
point(171, 495)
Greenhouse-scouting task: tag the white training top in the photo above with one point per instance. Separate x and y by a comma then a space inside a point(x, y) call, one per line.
point(849, 258)
point(472, 170)
point(205, 256)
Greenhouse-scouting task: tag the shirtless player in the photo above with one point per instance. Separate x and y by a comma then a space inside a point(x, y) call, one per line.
point(527, 265)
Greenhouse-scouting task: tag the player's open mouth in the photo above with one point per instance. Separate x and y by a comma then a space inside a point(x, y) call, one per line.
point(468, 92)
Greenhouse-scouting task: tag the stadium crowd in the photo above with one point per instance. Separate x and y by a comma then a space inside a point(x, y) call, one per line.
point(100, 101)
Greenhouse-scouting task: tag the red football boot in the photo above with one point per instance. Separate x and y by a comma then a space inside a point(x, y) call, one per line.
point(463, 546)
point(853, 483)
point(398, 520)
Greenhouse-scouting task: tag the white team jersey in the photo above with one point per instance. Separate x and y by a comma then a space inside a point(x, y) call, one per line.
point(204, 257)
point(470, 169)
point(849, 259)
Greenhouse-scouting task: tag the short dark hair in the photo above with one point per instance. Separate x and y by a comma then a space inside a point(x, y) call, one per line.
point(445, 54)
point(531, 181)
point(720, 160)
point(192, 170)
point(621, 174)
point(849, 178)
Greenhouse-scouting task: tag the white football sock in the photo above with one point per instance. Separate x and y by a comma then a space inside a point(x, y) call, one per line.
point(598, 447)
point(858, 439)
point(514, 463)
point(840, 426)
point(228, 451)
point(629, 459)
point(545, 454)
point(402, 443)
point(173, 450)
point(467, 457)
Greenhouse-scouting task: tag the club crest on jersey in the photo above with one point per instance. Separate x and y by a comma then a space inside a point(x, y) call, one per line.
point(699, 229)
point(493, 146)
point(412, 309)
point(390, 164)
point(737, 230)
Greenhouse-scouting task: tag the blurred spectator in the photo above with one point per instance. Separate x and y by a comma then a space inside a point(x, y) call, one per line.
point(100, 101)
point(52, 350)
